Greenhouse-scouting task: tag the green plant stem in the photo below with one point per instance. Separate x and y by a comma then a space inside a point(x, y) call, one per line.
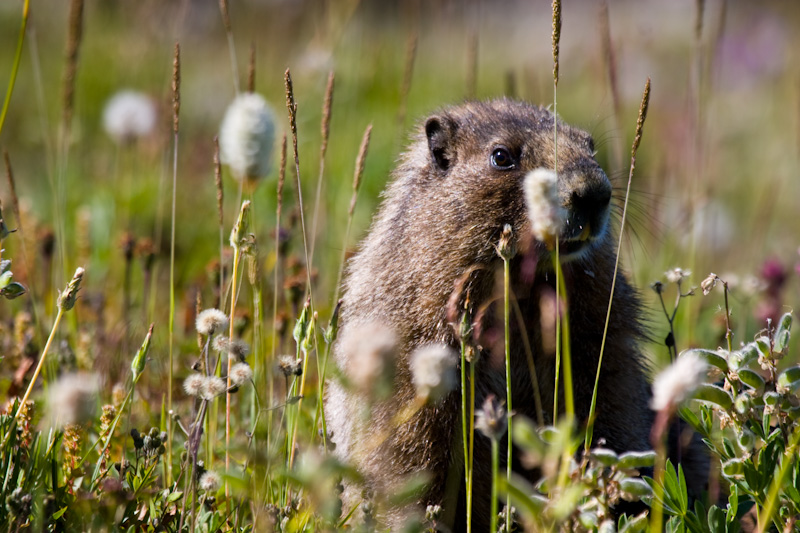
point(507, 336)
point(41, 361)
point(569, 401)
point(789, 457)
point(495, 473)
point(15, 66)
point(471, 445)
point(464, 434)
point(657, 508)
point(234, 279)
point(170, 362)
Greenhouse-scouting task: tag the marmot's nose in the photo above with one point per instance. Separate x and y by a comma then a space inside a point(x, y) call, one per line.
point(585, 193)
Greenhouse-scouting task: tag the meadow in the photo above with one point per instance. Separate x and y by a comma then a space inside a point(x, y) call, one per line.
point(127, 424)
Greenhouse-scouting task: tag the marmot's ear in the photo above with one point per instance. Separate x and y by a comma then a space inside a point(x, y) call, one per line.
point(440, 131)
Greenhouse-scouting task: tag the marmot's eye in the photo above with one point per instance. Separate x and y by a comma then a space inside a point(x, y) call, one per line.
point(501, 159)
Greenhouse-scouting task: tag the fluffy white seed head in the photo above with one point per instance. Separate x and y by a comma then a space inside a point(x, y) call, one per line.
point(129, 115)
point(212, 387)
point(210, 321)
point(678, 381)
point(247, 136)
point(370, 350)
point(544, 207)
point(72, 399)
point(433, 371)
point(241, 373)
point(193, 385)
point(210, 481)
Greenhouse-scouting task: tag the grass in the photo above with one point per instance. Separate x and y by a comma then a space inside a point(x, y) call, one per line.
point(390, 69)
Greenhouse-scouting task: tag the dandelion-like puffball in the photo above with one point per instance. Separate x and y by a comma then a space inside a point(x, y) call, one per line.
point(678, 381)
point(72, 399)
point(129, 115)
point(212, 387)
point(220, 344)
point(247, 136)
point(491, 418)
point(240, 373)
point(289, 365)
point(211, 320)
point(433, 371)
point(237, 350)
point(370, 350)
point(677, 274)
point(544, 207)
point(210, 481)
point(193, 385)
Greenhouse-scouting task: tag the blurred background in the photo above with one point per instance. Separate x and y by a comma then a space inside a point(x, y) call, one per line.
point(716, 186)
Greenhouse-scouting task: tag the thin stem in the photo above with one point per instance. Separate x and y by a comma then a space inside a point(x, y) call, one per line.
point(507, 336)
point(495, 469)
point(41, 361)
point(471, 445)
point(15, 66)
point(234, 279)
point(568, 386)
point(464, 434)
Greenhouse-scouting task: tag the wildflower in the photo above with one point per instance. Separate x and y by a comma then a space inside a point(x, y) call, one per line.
point(72, 399)
point(210, 481)
point(370, 351)
point(544, 207)
point(677, 274)
point(220, 344)
point(246, 137)
point(506, 248)
point(66, 300)
point(678, 381)
point(238, 350)
point(210, 321)
point(129, 115)
point(491, 418)
point(290, 365)
point(240, 373)
point(212, 387)
point(433, 371)
point(193, 385)
point(709, 283)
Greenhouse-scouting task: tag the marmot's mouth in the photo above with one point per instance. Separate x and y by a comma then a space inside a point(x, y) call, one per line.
point(571, 248)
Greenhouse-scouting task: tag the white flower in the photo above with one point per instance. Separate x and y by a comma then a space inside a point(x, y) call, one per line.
point(72, 399)
point(433, 371)
point(129, 115)
point(544, 207)
point(241, 373)
point(678, 381)
point(212, 387)
point(677, 274)
point(193, 385)
point(370, 350)
point(210, 481)
point(210, 321)
point(246, 137)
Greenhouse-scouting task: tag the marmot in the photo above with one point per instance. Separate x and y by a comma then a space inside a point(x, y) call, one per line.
point(456, 187)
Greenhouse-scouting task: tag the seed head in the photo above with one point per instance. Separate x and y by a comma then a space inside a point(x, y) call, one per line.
point(247, 136)
point(433, 371)
point(677, 274)
point(129, 115)
point(66, 300)
point(193, 385)
point(506, 248)
point(370, 351)
point(290, 365)
point(678, 381)
point(491, 418)
point(210, 481)
point(212, 387)
point(72, 399)
point(211, 321)
point(240, 374)
point(237, 350)
point(544, 208)
point(709, 283)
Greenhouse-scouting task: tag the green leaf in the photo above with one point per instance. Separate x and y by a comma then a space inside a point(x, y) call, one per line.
point(752, 379)
point(5, 279)
point(604, 456)
point(742, 358)
point(14, 290)
point(636, 487)
point(637, 459)
point(707, 392)
point(780, 340)
point(710, 357)
point(733, 468)
point(789, 379)
point(716, 520)
point(58, 514)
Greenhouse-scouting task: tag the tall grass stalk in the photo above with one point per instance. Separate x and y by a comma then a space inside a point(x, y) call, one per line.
point(357, 175)
point(507, 345)
point(176, 108)
point(220, 219)
point(325, 128)
point(15, 65)
point(226, 21)
point(556, 44)
point(636, 140)
point(495, 475)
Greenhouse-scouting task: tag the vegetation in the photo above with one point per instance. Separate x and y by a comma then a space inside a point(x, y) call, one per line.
point(173, 382)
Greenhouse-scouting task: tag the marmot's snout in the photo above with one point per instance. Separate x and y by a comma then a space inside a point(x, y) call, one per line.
point(585, 194)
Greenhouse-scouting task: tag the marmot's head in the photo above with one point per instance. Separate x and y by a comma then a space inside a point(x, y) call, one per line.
point(462, 181)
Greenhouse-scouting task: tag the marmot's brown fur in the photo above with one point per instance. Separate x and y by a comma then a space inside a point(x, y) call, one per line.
point(454, 190)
